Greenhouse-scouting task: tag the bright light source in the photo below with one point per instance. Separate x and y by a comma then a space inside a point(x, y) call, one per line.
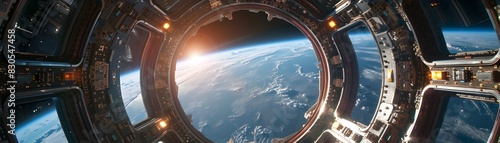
point(194, 57)
point(336, 125)
point(69, 76)
point(438, 75)
point(163, 124)
point(332, 23)
point(390, 76)
point(194, 54)
point(166, 26)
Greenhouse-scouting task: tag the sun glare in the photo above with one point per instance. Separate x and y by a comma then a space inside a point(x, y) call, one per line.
point(194, 57)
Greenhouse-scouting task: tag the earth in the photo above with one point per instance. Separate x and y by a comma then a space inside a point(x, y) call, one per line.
point(45, 129)
point(262, 92)
point(464, 41)
point(250, 94)
point(370, 80)
point(132, 97)
point(467, 121)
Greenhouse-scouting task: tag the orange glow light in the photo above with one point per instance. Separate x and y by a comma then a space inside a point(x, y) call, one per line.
point(332, 23)
point(166, 26)
point(437, 75)
point(69, 76)
point(163, 124)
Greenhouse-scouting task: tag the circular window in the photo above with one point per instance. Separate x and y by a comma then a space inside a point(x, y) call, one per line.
point(247, 79)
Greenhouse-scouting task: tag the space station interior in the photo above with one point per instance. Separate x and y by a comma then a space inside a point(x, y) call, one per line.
point(70, 70)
